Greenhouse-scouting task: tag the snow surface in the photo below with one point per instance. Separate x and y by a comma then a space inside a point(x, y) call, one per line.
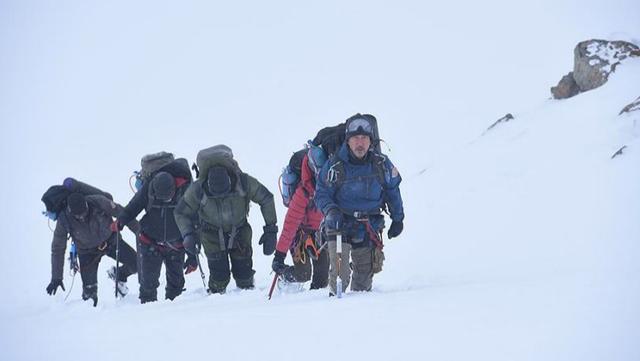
point(519, 244)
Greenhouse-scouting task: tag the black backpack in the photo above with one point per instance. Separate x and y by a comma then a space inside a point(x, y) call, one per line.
point(55, 198)
point(330, 138)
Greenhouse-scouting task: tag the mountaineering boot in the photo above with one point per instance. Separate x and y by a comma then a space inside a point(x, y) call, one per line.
point(287, 282)
point(246, 284)
point(90, 292)
point(287, 274)
point(121, 285)
point(219, 287)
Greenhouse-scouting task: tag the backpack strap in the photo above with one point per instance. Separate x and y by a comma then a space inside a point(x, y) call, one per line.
point(378, 162)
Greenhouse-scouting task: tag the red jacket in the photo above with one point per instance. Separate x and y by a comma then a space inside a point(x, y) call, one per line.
point(302, 212)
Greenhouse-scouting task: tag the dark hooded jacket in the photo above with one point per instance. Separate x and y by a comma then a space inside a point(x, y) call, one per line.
point(87, 234)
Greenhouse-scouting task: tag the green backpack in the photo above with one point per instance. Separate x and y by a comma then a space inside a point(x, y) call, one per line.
point(218, 155)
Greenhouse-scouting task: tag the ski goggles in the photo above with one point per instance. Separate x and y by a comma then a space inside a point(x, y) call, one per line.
point(359, 126)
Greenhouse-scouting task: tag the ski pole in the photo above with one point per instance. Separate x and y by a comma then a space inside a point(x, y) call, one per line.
point(204, 284)
point(273, 284)
point(339, 261)
point(117, 262)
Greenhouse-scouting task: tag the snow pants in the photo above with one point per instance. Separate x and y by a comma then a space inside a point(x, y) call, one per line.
point(90, 259)
point(240, 256)
point(152, 257)
point(362, 263)
point(303, 272)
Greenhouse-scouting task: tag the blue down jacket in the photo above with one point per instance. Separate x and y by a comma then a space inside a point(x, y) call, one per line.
point(366, 186)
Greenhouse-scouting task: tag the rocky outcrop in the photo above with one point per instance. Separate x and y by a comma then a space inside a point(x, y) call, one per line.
point(593, 61)
point(566, 88)
point(507, 117)
point(631, 107)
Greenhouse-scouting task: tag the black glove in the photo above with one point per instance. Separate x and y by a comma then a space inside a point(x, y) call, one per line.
point(53, 286)
point(191, 244)
point(191, 264)
point(268, 239)
point(278, 265)
point(395, 229)
point(333, 221)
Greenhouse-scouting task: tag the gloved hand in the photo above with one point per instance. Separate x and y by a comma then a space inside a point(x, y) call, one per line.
point(191, 264)
point(191, 244)
point(53, 286)
point(395, 229)
point(268, 239)
point(278, 265)
point(333, 221)
point(116, 226)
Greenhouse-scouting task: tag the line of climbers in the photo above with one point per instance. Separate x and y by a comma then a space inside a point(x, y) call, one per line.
point(339, 184)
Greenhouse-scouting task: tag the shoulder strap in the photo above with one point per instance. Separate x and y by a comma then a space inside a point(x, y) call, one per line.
point(379, 166)
point(244, 183)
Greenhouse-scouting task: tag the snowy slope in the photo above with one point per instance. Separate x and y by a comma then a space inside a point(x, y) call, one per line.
point(519, 244)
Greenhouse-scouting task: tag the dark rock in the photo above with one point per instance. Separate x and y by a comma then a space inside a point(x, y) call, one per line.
point(619, 152)
point(595, 59)
point(631, 107)
point(566, 88)
point(507, 117)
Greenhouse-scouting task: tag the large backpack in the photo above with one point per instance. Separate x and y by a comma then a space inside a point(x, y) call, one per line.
point(149, 165)
point(291, 175)
point(218, 155)
point(330, 138)
point(55, 198)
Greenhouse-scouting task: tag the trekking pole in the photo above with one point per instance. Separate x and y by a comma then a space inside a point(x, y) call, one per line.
point(117, 262)
point(339, 261)
point(273, 284)
point(204, 284)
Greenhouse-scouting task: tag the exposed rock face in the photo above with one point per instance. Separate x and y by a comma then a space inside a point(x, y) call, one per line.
point(593, 61)
point(566, 88)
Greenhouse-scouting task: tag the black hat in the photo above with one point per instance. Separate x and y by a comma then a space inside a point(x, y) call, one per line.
point(359, 124)
point(163, 186)
point(218, 180)
point(77, 204)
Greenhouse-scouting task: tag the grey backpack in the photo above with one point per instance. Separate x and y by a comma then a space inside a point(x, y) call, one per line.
point(217, 155)
point(151, 163)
